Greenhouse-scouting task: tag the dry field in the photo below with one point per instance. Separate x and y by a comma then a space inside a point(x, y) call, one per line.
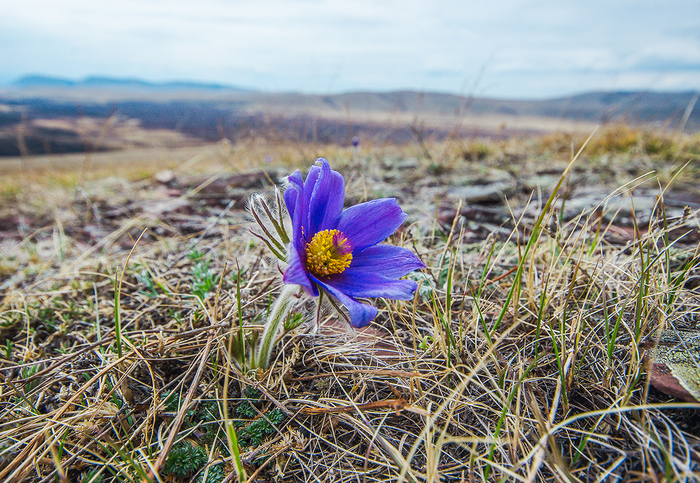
point(559, 303)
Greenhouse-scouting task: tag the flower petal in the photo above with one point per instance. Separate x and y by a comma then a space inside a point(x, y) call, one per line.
point(291, 193)
point(297, 274)
point(369, 223)
point(386, 260)
point(326, 197)
point(371, 285)
point(294, 200)
point(360, 314)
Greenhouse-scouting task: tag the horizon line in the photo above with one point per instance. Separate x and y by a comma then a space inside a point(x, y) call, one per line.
point(139, 83)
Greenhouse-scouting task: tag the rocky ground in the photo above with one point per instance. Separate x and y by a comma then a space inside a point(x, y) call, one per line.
point(490, 198)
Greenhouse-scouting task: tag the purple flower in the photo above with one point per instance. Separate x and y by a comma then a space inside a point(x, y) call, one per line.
point(337, 250)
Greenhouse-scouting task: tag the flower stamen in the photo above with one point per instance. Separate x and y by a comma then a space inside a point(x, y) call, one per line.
point(329, 252)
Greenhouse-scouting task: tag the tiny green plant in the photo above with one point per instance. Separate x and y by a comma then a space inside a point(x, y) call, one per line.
point(204, 279)
point(28, 372)
point(185, 460)
point(246, 410)
point(255, 432)
point(425, 343)
point(95, 475)
point(144, 277)
point(195, 254)
point(216, 473)
point(46, 317)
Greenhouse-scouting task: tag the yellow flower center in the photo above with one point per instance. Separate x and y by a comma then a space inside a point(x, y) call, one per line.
point(328, 252)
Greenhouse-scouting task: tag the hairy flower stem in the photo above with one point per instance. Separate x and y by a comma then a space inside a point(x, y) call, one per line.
point(274, 322)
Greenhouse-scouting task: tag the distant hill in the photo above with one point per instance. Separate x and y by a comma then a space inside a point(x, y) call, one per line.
point(665, 109)
point(210, 112)
point(32, 81)
point(655, 109)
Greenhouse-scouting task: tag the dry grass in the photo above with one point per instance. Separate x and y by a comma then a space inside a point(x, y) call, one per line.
point(519, 359)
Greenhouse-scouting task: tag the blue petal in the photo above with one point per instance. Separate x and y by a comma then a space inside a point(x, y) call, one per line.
point(309, 185)
point(360, 314)
point(369, 223)
point(386, 260)
point(371, 285)
point(294, 199)
point(291, 194)
point(297, 274)
point(327, 197)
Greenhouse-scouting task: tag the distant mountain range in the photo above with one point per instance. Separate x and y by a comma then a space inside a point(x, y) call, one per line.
point(31, 81)
point(203, 108)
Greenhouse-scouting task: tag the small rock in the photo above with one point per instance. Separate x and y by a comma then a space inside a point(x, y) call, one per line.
point(165, 177)
point(492, 192)
point(674, 369)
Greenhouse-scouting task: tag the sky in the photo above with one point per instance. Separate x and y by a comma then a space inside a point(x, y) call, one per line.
point(504, 49)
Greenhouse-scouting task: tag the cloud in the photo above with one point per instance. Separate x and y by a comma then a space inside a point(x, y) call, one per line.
point(510, 48)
